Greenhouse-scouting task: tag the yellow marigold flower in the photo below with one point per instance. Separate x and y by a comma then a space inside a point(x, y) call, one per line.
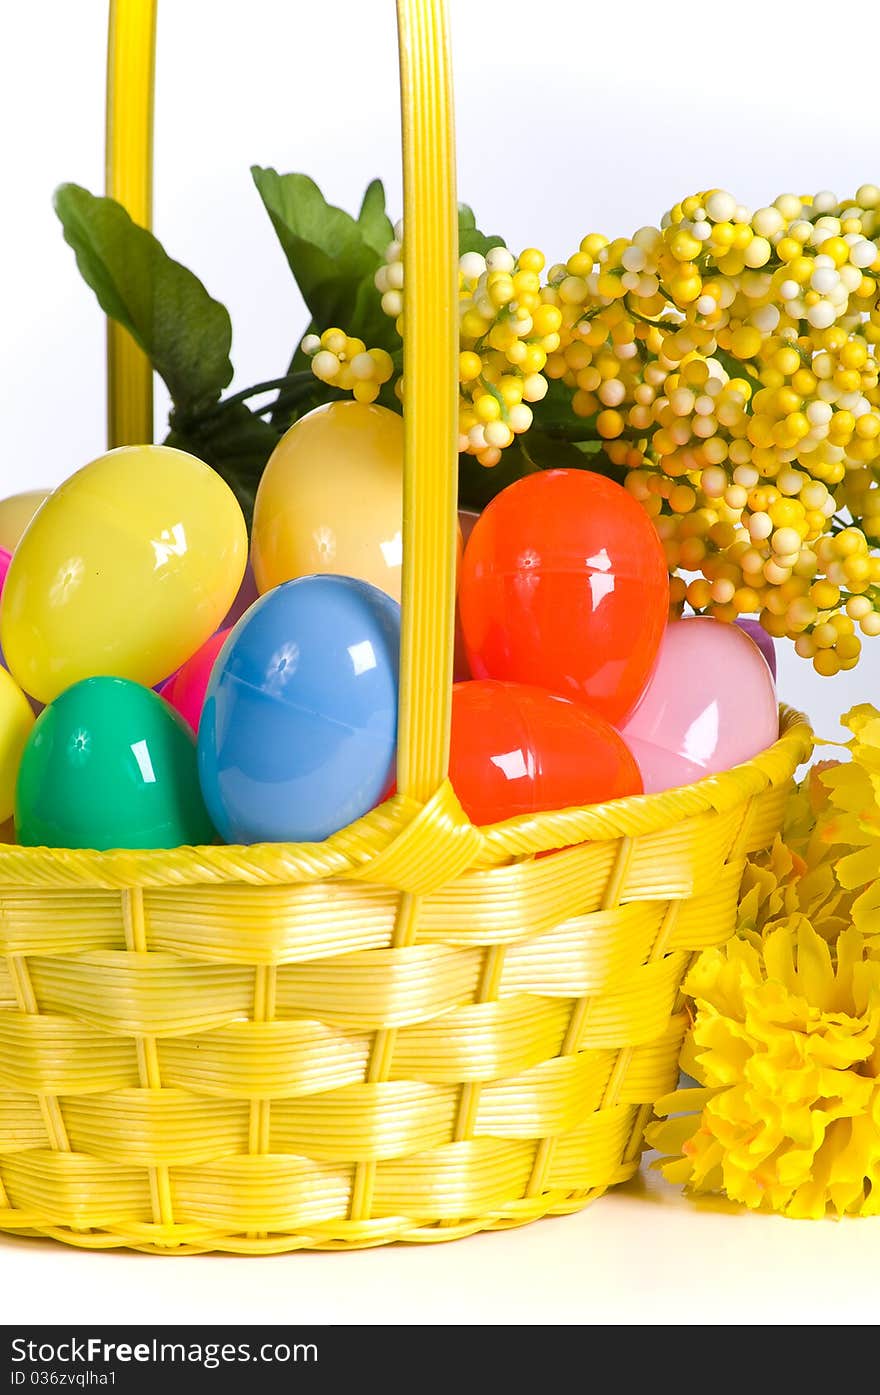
point(785, 1035)
point(785, 1038)
point(853, 816)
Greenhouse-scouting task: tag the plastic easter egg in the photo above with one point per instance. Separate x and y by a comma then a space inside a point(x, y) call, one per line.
point(109, 765)
point(297, 737)
point(660, 769)
point(755, 631)
point(16, 513)
point(127, 569)
point(564, 585)
point(520, 750)
point(16, 723)
point(710, 704)
point(461, 668)
point(331, 499)
point(5, 559)
point(187, 688)
point(247, 594)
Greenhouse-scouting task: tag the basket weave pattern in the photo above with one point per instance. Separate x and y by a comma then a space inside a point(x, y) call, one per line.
point(411, 1032)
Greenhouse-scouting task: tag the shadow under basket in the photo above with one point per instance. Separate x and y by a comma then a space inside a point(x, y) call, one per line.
point(411, 1032)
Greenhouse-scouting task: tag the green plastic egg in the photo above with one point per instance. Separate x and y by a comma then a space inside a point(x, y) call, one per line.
point(109, 764)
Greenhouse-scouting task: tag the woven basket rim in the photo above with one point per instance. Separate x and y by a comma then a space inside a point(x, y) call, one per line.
point(349, 853)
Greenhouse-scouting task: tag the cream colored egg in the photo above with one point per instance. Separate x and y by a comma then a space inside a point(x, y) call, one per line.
point(331, 499)
point(16, 513)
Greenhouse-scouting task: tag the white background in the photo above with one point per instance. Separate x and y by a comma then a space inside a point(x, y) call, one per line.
point(572, 118)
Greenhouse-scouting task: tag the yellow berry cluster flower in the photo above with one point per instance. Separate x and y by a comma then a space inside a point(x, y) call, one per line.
point(727, 362)
point(343, 362)
point(785, 1019)
point(507, 332)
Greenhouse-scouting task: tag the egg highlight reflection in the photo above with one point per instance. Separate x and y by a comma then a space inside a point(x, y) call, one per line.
point(298, 733)
point(710, 704)
point(110, 765)
point(126, 569)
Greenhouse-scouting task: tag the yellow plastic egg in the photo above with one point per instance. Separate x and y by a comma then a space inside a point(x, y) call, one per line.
point(16, 513)
point(331, 499)
point(128, 568)
point(16, 720)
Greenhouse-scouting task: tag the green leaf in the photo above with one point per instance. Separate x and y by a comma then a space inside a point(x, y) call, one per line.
point(333, 256)
point(234, 441)
point(373, 220)
point(477, 485)
point(185, 332)
point(470, 239)
point(554, 414)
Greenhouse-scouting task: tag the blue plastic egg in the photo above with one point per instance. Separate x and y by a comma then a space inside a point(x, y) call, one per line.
point(299, 729)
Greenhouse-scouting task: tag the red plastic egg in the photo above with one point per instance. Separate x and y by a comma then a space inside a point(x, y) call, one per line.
point(520, 750)
point(564, 585)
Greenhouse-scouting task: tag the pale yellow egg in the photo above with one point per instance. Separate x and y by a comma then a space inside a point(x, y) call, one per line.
point(16, 513)
point(331, 499)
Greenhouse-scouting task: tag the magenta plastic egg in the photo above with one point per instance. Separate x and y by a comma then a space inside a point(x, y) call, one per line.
point(5, 559)
point(186, 689)
point(710, 704)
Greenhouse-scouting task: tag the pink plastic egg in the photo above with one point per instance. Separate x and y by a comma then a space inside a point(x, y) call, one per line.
point(186, 689)
point(710, 704)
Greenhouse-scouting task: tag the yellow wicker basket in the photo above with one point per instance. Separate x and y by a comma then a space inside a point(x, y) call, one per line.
point(413, 1031)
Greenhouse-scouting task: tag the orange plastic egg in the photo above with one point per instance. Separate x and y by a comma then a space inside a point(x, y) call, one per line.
point(520, 750)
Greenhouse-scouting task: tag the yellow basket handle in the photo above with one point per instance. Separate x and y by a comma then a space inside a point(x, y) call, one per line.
point(430, 353)
point(128, 178)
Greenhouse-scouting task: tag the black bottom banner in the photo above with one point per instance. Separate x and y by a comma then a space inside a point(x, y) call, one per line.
point(251, 1359)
